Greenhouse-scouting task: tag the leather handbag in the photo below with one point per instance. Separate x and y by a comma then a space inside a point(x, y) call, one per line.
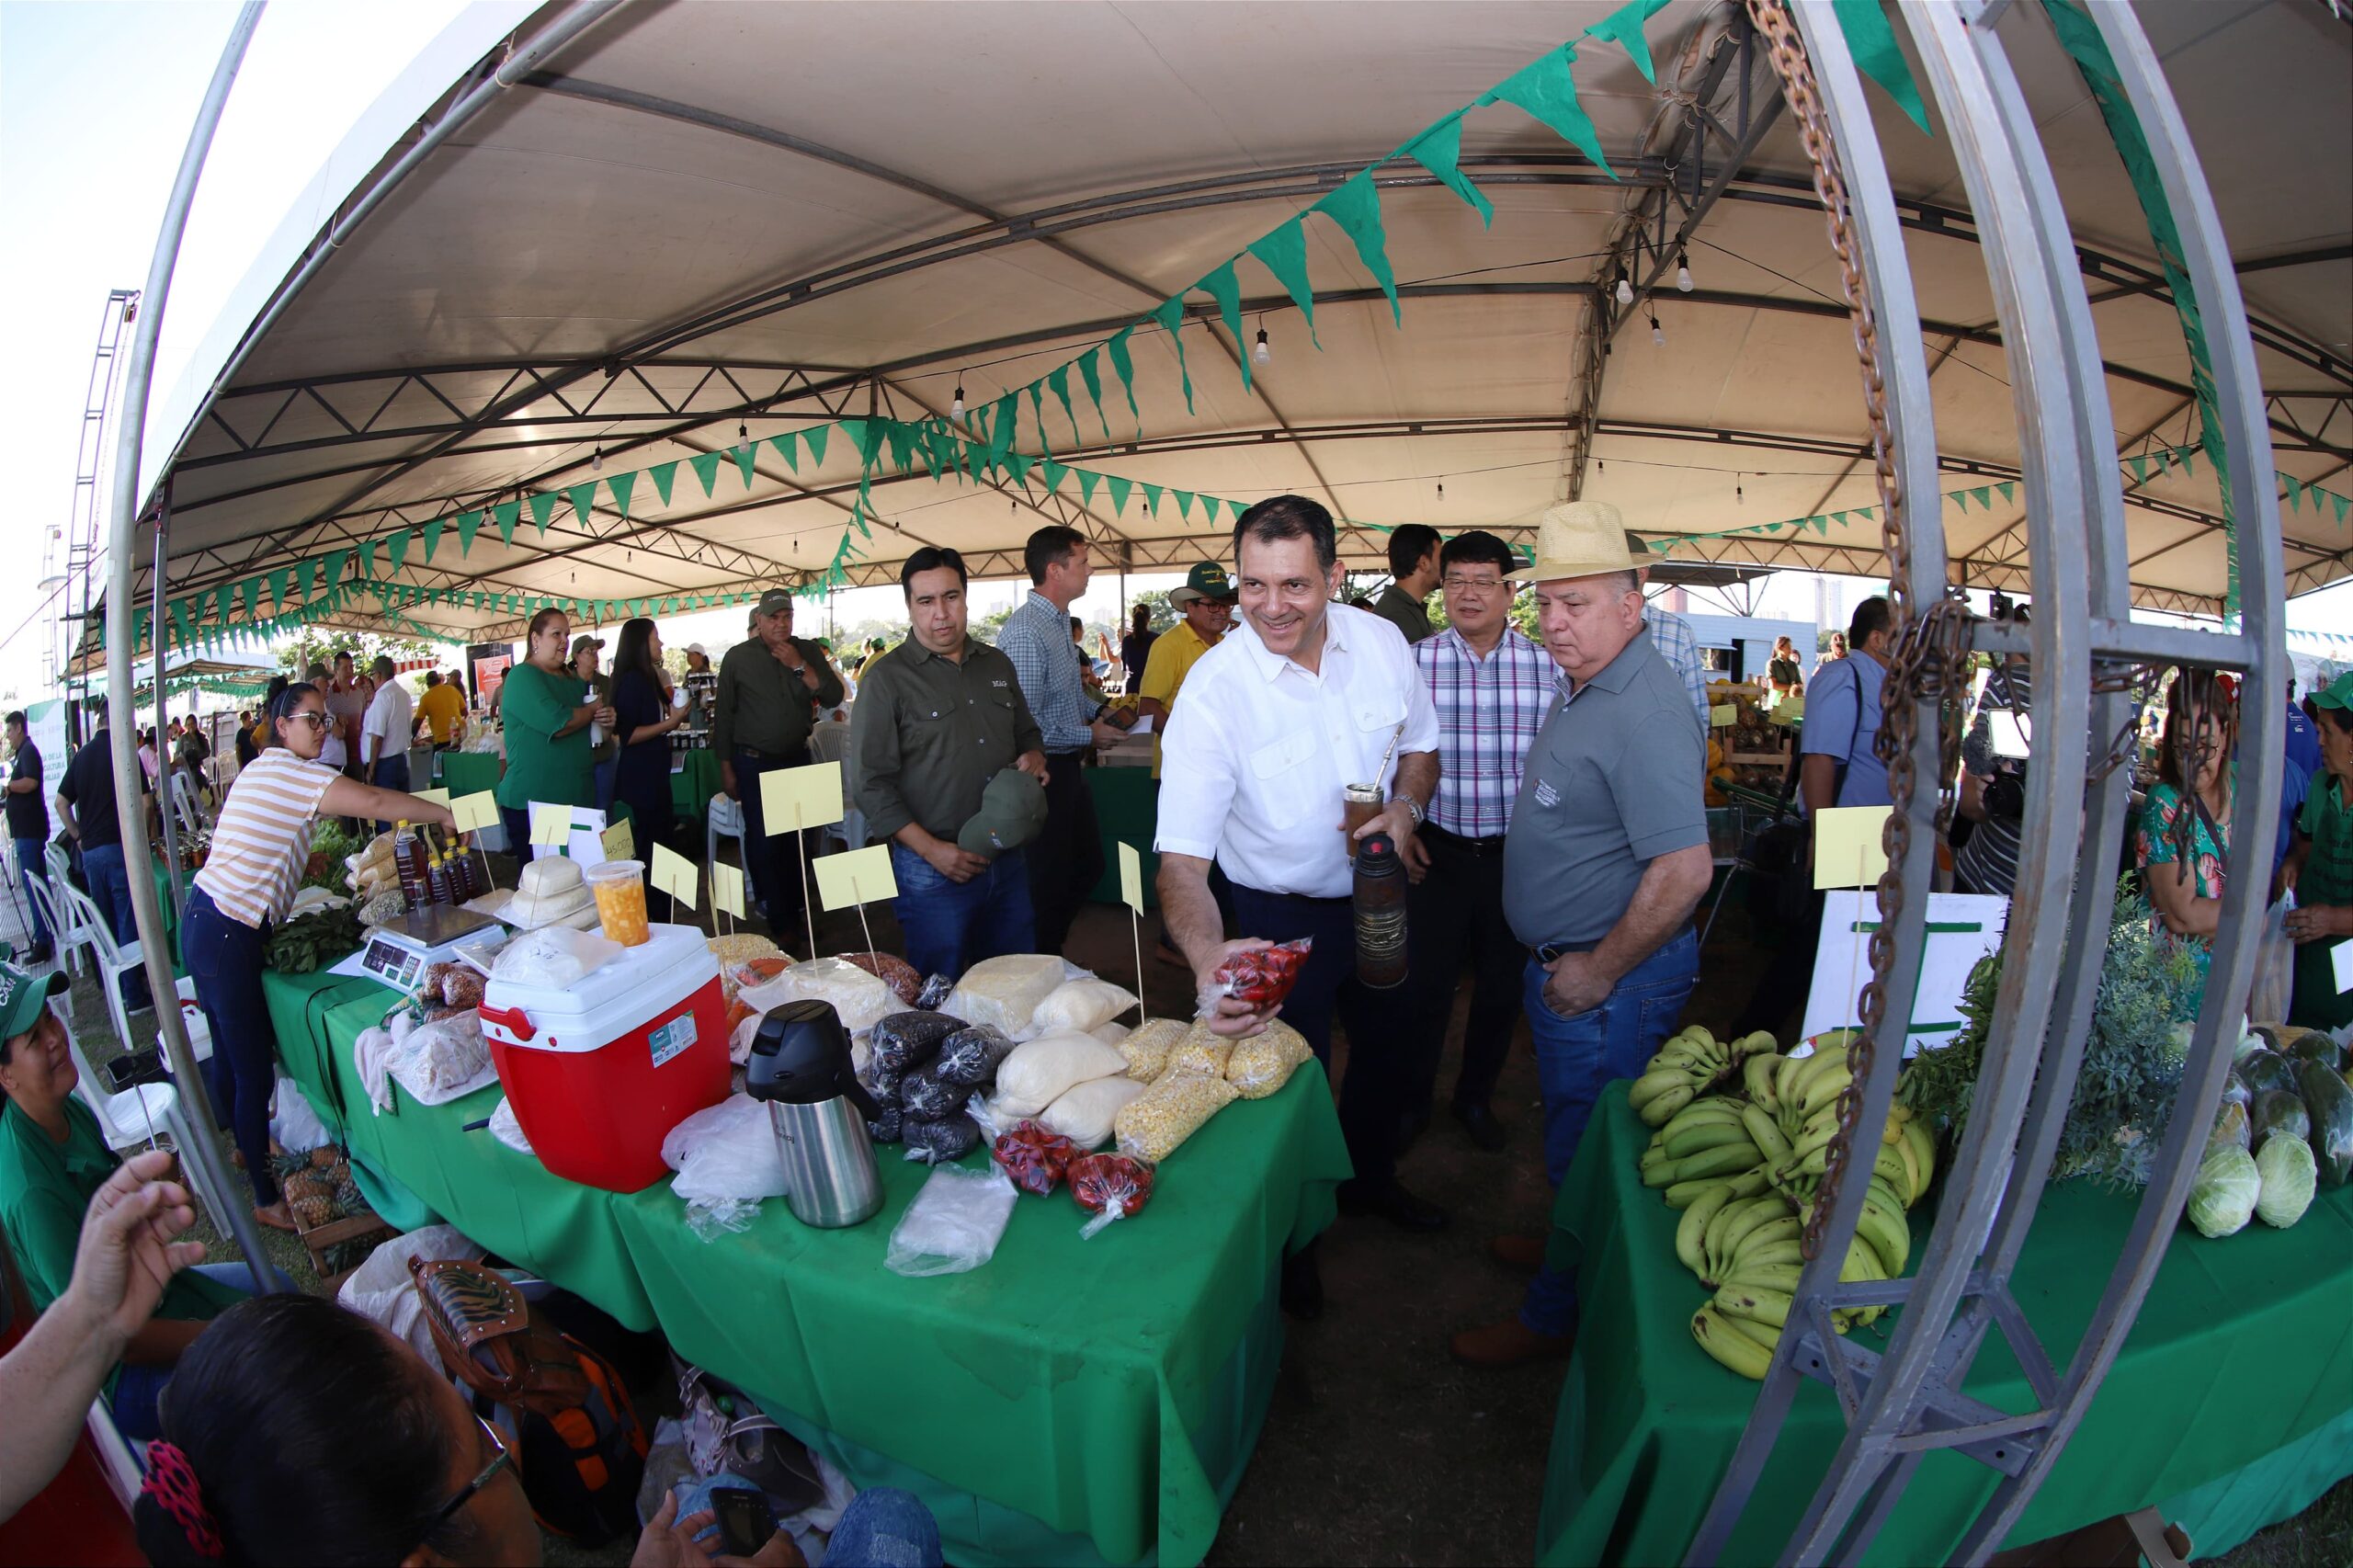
point(491, 1340)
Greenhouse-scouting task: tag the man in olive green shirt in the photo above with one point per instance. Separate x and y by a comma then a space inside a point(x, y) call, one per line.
point(768, 690)
point(937, 718)
point(604, 752)
point(1413, 564)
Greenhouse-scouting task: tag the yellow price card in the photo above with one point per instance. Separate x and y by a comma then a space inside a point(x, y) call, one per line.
point(795, 798)
point(1846, 848)
point(727, 888)
point(1131, 878)
point(674, 874)
point(475, 812)
point(861, 876)
point(550, 825)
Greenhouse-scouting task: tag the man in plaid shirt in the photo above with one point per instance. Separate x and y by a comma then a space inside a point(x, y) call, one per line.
point(1067, 858)
point(1491, 686)
point(1670, 634)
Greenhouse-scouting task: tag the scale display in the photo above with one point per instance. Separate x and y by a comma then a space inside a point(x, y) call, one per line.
point(398, 951)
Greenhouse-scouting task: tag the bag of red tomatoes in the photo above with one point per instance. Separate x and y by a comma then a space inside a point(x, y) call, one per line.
point(1111, 1186)
point(1263, 978)
point(1035, 1157)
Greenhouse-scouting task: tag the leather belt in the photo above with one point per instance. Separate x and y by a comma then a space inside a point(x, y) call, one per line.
point(1492, 845)
point(1552, 950)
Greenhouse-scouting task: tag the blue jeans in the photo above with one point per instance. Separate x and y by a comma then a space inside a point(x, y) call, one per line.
point(30, 865)
point(390, 773)
point(1574, 1057)
point(109, 879)
point(949, 927)
point(771, 865)
point(137, 1388)
point(606, 773)
point(884, 1527)
point(224, 957)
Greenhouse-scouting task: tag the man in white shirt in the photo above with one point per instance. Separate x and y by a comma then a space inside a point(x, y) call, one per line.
point(385, 732)
point(1306, 696)
point(347, 705)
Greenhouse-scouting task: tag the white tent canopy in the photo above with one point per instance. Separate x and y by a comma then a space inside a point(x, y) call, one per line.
point(698, 219)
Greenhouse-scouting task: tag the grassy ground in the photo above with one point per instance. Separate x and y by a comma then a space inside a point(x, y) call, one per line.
point(1377, 1447)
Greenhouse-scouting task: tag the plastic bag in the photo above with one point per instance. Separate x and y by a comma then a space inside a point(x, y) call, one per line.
point(972, 1055)
point(952, 1225)
point(296, 1125)
point(381, 1288)
point(1003, 992)
point(1147, 1048)
point(927, 1097)
point(891, 971)
point(1086, 1114)
point(1039, 1074)
point(1034, 1157)
point(1154, 1123)
point(1262, 978)
point(1109, 1034)
point(437, 1062)
point(725, 1151)
point(888, 1126)
point(936, 989)
point(937, 1142)
point(1200, 1052)
point(1111, 1186)
point(2275, 965)
point(507, 1129)
point(1263, 1063)
point(860, 999)
point(1081, 1004)
point(905, 1041)
point(556, 957)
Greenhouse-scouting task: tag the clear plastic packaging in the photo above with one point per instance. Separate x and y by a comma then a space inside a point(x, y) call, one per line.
point(905, 1041)
point(556, 956)
point(1086, 1114)
point(1147, 1048)
point(1035, 1158)
point(860, 999)
point(936, 989)
point(619, 889)
point(891, 971)
point(972, 1055)
point(1081, 1004)
point(953, 1224)
point(1004, 992)
point(1200, 1052)
point(507, 1129)
point(1037, 1074)
point(926, 1096)
point(1154, 1124)
point(1109, 1034)
point(1111, 1186)
point(1262, 978)
point(1263, 1062)
point(937, 1142)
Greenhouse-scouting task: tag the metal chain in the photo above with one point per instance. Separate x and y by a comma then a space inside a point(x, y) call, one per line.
point(1929, 644)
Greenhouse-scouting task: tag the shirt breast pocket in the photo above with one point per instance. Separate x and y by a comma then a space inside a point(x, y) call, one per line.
point(1287, 784)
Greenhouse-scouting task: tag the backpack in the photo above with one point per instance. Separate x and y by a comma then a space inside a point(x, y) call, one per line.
point(581, 1448)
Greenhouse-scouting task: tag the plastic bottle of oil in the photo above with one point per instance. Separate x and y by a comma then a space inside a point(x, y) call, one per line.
point(408, 861)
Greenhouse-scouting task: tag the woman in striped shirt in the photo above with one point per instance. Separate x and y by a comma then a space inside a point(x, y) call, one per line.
point(259, 846)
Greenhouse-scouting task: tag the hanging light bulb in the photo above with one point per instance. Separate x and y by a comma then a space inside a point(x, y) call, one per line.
point(1262, 352)
point(596, 459)
point(955, 403)
point(1625, 291)
point(1658, 338)
point(1442, 490)
point(1739, 496)
point(1683, 271)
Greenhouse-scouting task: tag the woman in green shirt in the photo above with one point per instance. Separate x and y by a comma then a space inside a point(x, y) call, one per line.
point(2319, 868)
point(548, 756)
point(54, 1159)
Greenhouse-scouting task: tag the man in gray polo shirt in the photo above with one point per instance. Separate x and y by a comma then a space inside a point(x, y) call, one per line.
point(1605, 859)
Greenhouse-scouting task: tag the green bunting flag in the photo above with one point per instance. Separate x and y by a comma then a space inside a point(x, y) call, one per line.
point(1440, 149)
point(1983, 495)
point(706, 470)
point(1152, 499)
point(1054, 472)
point(743, 453)
point(1087, 479)
point(665, 476)
point(2140, 467)
point(541, 504)
point(250, 592)
point(1170, 314)
point(619, 486)
point(433, 538)
point(1872, 41)
point(1624, 26)
point(1092, 375)
point(1355, 208)
point(788, 446)
point(1545, 89)
point(2009, 489)
point(310, 583)
point(1283, 251)
point(281, 587)
point(583, 497)
point(1037, 412)
point(1001, 420)
point(2295, 490)
point(469, 524)
point(815, 437)
point(1119, 489)
point(365, 568)
point(507, 514)
point(1058, 383)
point(1124, 367)
point(1221, 285)
point(1184, 504)
point(396, 551)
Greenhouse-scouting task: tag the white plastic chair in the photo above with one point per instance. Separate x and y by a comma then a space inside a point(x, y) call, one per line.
point(185, 803)
point(829, 742)
point(67, 937)
point(723, 820)
point(61, 863)
point(113, 961)
point(137, 1116)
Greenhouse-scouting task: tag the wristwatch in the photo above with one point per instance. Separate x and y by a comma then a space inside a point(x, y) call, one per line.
point(1413, 807)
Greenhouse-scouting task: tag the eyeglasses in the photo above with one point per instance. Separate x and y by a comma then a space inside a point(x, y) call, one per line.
point(316, 721)
point(500, 1460)
point(1473, 585)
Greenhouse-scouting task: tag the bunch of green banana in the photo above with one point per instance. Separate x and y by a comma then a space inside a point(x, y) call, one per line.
point(1702, 1145)
point(1795, 1135)
point(1727, 1234)
point(1691, 1064)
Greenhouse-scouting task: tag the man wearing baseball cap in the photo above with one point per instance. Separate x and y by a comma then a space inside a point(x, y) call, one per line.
point(597, 688)
point(769, 689)
point(1206, 604)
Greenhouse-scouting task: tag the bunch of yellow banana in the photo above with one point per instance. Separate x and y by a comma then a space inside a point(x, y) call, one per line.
point(1796, 1116)
point(1691, 1064)
point(1727, 1234)
point(1743, 1321)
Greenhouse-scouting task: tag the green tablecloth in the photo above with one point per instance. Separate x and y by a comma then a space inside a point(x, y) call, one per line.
point(470, 772)
point(1102, 1397)
point(2243, 1352)
point(1127, 810)
point(693, 785)
point(170, 906)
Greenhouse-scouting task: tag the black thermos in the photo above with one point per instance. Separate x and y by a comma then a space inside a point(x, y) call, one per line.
point(1380, 899)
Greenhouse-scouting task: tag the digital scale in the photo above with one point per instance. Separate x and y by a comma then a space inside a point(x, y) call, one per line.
point(398, 951)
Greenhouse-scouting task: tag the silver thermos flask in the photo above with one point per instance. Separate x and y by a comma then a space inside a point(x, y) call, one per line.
point(801, 1067)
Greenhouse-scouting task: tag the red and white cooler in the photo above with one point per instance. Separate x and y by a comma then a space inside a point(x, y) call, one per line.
point(600, 1072)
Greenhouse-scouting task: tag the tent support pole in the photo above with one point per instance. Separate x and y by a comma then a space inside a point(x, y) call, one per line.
point(165, 798)
point(199, 1147)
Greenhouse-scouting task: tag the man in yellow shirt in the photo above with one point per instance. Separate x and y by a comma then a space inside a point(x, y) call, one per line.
point(1206, 603)
point(443, 710)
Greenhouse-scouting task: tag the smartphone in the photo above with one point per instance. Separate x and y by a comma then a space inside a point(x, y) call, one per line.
point(745, 1520)
point(134, 1067)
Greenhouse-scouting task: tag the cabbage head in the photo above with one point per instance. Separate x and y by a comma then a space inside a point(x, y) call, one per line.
point(2223, 1196)
point(2288, 1171)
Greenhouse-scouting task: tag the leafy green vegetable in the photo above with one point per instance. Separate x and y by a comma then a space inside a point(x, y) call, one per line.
point(2289, 1173)
point(2126, 1086)
point(2223, 1195)
point(310, 941)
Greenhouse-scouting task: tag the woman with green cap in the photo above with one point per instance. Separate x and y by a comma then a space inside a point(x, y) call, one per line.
point(2319, 868)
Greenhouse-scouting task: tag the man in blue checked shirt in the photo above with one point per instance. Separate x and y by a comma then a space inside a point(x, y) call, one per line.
point(1066, 860)
point(1490, 685)
point(1670, 634)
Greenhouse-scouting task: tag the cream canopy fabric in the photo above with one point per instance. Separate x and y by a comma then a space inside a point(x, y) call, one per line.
point(706, 217)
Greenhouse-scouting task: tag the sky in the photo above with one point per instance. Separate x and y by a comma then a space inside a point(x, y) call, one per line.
point(95, 101)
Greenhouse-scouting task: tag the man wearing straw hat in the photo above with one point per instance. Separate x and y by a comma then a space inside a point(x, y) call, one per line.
point(1304, 697)
point(1605, 859)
